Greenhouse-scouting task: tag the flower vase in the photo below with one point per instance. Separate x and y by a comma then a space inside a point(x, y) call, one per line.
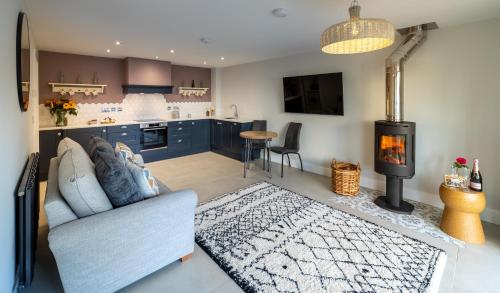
point(61, 119)
point(462, 173)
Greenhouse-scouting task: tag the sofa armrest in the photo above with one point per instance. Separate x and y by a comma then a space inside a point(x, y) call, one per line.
point(109, 250)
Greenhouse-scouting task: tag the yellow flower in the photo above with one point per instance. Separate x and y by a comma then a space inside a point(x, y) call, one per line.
point(66, 106)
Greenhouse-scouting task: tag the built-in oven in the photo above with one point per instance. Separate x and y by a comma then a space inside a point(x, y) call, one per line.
point(154, 135)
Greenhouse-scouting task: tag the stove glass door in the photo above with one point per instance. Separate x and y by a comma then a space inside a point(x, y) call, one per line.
point(392, 149)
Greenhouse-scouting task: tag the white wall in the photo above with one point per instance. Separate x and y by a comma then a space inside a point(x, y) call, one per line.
point(452, 92)
point(18, 131)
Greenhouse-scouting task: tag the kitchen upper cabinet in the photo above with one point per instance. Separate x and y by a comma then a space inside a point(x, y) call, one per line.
point(83, 135)
point(49, 140)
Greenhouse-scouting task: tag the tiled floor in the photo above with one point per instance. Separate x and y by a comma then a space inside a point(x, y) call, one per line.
point(210, 175)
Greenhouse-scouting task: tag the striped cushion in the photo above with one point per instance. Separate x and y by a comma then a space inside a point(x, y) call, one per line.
point(147, 184)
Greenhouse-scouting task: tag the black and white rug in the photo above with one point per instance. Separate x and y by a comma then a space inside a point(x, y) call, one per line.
point(269, 239)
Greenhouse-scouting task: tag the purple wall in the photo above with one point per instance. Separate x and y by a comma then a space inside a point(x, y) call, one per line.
point(109, 72)
point(116, 72)
point(183, 75)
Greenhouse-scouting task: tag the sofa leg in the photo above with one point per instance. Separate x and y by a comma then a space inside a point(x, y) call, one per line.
point(186, 257)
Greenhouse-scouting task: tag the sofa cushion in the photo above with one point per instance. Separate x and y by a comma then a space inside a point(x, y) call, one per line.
point(116, 179)
point(66, 144)
point(99, 144)
point(126, 153)
point(144, 179)
point(79, 186)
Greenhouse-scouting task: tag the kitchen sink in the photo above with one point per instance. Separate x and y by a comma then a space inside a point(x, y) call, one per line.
point(230, 118)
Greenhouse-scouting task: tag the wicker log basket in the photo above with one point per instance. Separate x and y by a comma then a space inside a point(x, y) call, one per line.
point(345, 178)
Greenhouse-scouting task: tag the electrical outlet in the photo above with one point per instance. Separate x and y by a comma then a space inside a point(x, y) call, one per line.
point(119, 109)
point(104, 109)
point(169, 108)
point(113, 109)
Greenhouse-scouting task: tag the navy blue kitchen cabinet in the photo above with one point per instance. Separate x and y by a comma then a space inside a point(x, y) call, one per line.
point(49, 140)
point(226, 138)
point(127, 134)
point(188, 137)
point(200, 135)
point(83, 135)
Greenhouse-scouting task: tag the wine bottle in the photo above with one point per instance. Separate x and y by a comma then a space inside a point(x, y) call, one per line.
point(476, 180)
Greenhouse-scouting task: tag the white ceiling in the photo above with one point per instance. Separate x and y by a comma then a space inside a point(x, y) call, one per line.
point(241, 31)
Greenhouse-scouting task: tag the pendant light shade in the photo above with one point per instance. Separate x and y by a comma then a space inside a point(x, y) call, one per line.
point(357, 35)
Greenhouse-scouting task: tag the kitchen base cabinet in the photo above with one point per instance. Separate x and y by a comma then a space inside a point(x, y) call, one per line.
point(83, 135)
point(226, 139)
point(49, 140)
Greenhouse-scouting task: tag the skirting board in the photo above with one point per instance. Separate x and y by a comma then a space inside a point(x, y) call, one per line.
point(489, 215)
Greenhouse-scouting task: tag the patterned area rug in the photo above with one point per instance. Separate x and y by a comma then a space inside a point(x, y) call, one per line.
point(424, 219)
point(269, 239)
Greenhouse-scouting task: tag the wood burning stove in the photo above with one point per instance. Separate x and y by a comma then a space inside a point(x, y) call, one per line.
point(394, 137)
point(395, 158)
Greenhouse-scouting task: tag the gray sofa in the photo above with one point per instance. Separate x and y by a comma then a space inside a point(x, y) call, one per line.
point(112, 249)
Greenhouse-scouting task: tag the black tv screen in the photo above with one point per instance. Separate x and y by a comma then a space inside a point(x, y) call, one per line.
point(314, 94)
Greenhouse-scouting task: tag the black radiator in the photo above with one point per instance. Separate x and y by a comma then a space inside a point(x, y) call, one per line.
point(27, 205)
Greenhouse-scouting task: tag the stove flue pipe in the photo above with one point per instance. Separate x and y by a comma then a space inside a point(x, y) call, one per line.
point(415, 36)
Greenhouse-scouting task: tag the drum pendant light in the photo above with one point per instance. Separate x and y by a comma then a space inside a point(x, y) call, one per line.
point(357, 35)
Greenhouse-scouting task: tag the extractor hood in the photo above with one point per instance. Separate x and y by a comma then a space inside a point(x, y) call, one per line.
point(147, 76)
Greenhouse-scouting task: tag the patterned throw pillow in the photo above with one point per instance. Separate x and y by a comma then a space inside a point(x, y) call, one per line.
point(148, 187)
point(125, 152)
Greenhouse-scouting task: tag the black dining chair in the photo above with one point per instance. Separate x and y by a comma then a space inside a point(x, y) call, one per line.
point(292, 142)
point(259, 125)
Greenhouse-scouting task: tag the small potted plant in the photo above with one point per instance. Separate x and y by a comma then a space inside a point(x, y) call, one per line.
point(60, 107)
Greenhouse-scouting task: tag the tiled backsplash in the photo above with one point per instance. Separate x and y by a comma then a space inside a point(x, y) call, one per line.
point(134, 106)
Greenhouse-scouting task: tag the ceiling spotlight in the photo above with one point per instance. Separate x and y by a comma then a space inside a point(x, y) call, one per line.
point(172, 51)
point(118, 43)
point(222, 58)
point(108, 51)
point(279, 12)
point(156, 57)
point(204, 62)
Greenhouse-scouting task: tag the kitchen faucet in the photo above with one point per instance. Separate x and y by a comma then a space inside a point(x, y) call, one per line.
point(235, 110)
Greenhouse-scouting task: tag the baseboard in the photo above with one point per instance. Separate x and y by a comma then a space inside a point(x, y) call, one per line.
point(489, 215)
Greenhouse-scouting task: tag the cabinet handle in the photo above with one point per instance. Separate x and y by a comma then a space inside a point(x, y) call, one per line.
point(124, 134)
point(59, 134)
point(235, 124)
point(180, 122)
point(180, 128)
point(104, 130)
point(124, 126)
point(192, 123)
point(180, 140)
point(219, 123)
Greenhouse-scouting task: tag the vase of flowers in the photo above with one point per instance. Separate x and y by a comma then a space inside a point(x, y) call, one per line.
point(461, 171)
point(60, 108)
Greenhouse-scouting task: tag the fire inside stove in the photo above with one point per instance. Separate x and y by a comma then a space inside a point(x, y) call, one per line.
point(392, 149)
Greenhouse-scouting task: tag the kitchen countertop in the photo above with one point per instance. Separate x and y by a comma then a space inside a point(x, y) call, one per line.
point(129, 122)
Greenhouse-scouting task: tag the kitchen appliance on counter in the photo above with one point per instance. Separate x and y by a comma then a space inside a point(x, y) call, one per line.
point(153, 134)
point(176, 113)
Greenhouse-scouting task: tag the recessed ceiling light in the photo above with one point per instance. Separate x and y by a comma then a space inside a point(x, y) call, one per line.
point(172, 51)
point(118, 43)
point(279, 12)
point(222, 58)
point(156, 57)
point(108, 51)
point(204, 62)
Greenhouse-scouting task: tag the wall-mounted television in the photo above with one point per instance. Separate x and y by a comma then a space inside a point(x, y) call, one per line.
point(314, 94)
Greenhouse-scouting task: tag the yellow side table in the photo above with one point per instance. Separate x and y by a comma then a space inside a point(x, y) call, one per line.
point(461, 213)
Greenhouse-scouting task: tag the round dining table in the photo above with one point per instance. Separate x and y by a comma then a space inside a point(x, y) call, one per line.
point(253, 136)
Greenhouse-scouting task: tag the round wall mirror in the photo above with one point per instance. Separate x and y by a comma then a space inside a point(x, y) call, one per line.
point(23, 61)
